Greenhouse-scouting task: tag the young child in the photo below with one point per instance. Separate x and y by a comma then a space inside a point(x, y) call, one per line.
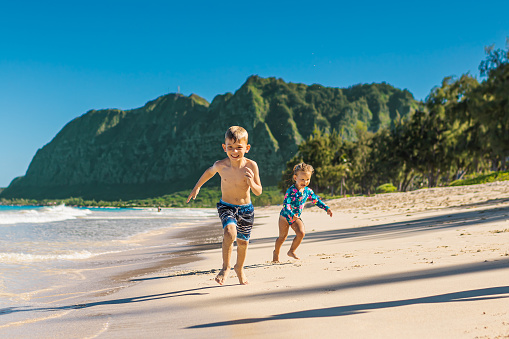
point(239, 176)
point(293, 204)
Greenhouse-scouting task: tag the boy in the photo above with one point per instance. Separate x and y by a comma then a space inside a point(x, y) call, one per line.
point(239, 175)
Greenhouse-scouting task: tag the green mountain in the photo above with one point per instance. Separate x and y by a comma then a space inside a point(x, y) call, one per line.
point(166, 145)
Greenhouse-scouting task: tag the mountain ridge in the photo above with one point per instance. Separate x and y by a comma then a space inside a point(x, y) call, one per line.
point(165, 145)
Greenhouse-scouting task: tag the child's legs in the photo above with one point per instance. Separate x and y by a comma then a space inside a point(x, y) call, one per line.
point(283, 233)
point(229, 235)
point(241, 252)
point(298, 227)
point(241, 257)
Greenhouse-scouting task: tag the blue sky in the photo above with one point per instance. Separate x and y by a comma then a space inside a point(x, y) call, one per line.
point(59, 59)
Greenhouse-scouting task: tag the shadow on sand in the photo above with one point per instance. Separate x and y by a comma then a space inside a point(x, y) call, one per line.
point(370, 281)
point(406, 228)
point(398, 229)
point(464, 296)
point(150, 297)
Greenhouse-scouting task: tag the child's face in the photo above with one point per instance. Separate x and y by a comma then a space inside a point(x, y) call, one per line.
point(236, 150)
point(302, 179)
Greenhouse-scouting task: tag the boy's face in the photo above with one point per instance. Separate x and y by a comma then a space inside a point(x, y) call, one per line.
point(236, 150)
point(302, 179)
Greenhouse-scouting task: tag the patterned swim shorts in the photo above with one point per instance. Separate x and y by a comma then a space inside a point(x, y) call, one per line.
point(240, 215)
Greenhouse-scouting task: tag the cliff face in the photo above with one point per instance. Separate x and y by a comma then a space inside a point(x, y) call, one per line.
point(167, 144)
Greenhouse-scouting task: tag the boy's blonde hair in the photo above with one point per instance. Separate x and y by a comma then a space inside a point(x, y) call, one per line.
point(236, 133)
point(303, 167)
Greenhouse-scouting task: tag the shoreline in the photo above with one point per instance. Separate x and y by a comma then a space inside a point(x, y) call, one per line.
point(199, 238)
point(408, 265)
point(107, 273)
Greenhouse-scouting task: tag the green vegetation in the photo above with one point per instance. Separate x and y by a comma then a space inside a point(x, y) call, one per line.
point(164, 146)
point(358, 139)
point(481, 179)
point(460, 130)
point(386, 188)
point(208, 197)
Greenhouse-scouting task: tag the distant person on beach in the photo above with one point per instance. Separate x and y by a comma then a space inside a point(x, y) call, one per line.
point(293, 204)
point(239, 176)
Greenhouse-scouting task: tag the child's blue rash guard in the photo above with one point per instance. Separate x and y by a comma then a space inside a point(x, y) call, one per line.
point(294, 201)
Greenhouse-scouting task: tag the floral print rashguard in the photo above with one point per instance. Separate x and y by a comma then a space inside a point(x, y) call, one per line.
point(294, 201)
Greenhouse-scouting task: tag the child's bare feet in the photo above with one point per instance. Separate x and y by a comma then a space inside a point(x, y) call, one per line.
point(293, 255)
point(222, 275)
point(240, 275)
point(275, 257)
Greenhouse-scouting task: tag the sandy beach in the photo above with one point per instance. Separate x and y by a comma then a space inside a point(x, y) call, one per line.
point(432, 263)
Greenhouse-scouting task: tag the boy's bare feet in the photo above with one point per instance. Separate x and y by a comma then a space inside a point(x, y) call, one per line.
point(222, 275)
point(240, 275)
point(275, 256)
point(293, 255)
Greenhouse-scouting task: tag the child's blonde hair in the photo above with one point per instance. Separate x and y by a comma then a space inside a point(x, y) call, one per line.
point(303, 167)
point(236, 133)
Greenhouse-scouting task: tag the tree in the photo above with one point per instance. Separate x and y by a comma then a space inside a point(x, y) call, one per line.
point(324, 153)
point(433, 139)
point(490, 104)
point(332, 176)
point(359, 155)
point(317, 151)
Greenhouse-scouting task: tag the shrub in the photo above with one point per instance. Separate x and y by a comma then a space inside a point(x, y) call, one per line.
point(482, 179)
point(386, 188)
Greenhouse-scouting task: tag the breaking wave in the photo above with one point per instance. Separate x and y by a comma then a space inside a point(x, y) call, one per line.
point(41, 214)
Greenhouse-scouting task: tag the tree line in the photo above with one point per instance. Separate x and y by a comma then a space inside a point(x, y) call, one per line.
point(462, 127)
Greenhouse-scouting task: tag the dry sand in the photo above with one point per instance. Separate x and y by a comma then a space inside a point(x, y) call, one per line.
point(427, 264)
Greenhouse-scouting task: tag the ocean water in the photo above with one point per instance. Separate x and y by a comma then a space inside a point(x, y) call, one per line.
point(40, 245)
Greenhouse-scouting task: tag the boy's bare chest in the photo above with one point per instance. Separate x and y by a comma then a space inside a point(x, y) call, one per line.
point(233, 176)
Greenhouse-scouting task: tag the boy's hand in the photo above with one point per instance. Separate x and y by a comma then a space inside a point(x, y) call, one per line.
point(193, 194)
point(249, 174)
point(329, 212)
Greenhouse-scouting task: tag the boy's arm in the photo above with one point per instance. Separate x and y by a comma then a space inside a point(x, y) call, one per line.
point(253, 178)
point(209, 173)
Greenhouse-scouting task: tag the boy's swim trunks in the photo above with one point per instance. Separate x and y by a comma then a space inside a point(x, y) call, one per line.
point(240, 215)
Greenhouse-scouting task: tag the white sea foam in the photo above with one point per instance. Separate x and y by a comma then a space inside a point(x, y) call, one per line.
point(41, 215)
point(188, 213)
point(166, 213)
point(18, 258)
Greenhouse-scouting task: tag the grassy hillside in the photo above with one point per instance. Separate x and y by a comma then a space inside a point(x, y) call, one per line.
point(164, 146)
